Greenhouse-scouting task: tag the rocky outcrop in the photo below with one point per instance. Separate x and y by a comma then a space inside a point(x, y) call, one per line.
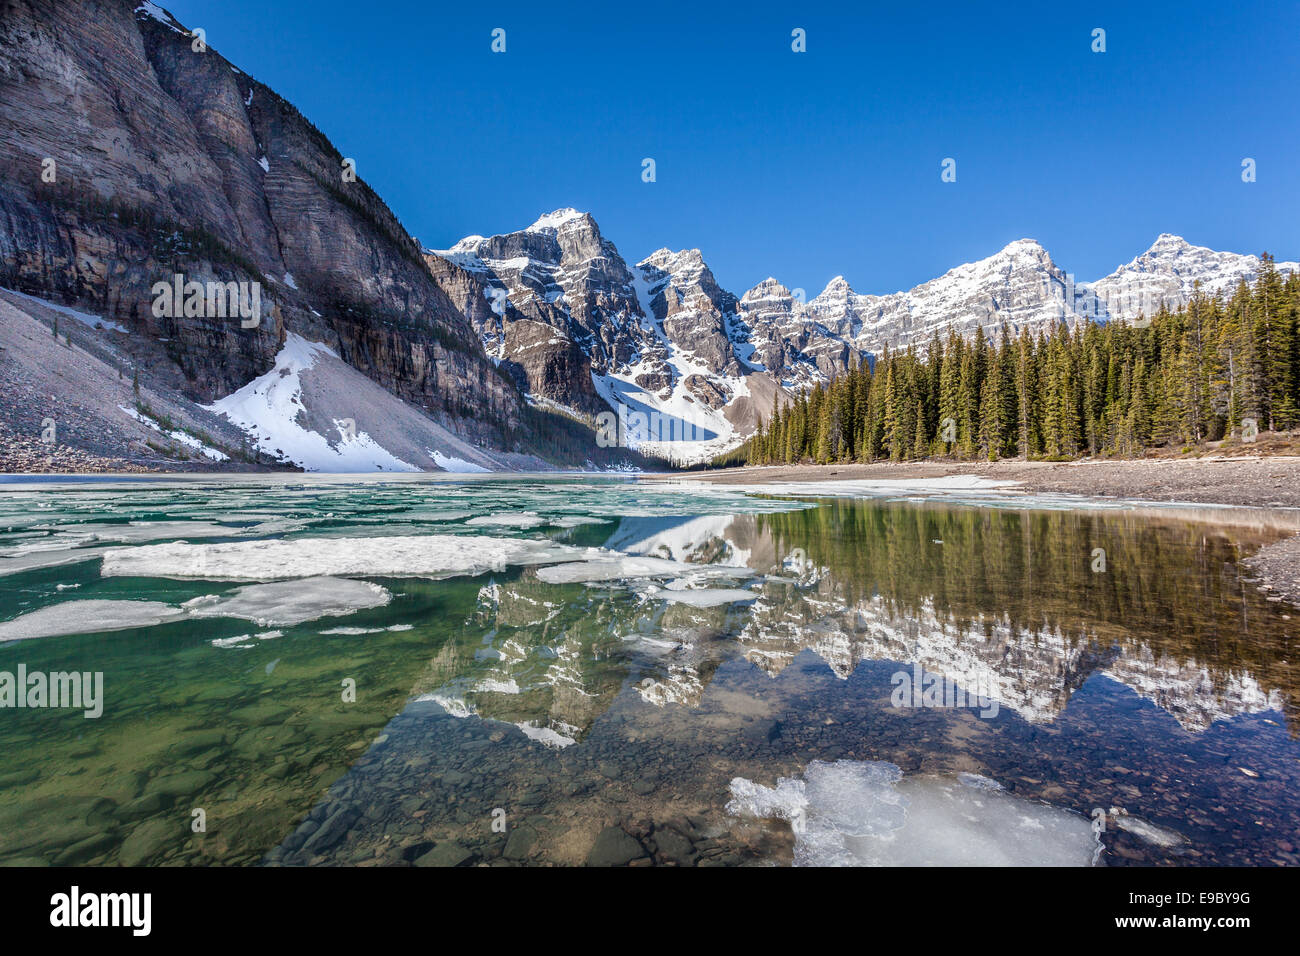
point(558, 308)
point(781, 333)
point(560, 273)
point(696, 315)
point(535, 349)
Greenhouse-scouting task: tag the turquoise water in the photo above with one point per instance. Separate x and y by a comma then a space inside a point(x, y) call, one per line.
point(571, 669)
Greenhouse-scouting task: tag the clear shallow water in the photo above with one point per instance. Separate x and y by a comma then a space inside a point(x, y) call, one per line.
point(616, 670)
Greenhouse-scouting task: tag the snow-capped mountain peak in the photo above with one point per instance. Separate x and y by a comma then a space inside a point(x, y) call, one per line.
point(1169, 272)
point(836, 288)
point(553, 221)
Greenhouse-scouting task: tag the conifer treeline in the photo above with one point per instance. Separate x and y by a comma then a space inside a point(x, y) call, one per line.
point(1100, 389)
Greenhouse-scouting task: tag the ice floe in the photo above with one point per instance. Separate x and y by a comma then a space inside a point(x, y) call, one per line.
point(514, 519)
point(575, 521)
point(282, 603)
point(422, 556)
point(88, 617)
point(291, 602)
point(856, 813)
point(246, 640)
point(72, 536)
point(48, 559)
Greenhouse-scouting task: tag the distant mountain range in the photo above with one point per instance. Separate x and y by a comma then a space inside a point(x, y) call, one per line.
point(133, 157)
point(557, 306)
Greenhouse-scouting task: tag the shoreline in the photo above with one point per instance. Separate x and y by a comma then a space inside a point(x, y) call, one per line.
point(1255, 482)
point(1234, 490)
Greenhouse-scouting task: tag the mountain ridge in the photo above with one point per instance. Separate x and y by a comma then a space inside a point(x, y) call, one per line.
point(683, 340)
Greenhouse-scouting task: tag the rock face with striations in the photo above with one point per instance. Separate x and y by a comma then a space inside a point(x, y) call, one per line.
point(170, 160)
point(785, 338)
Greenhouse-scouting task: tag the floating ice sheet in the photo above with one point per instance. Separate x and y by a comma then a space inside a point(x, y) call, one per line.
point(48, 559)
point(423, 556)
point(515, 519)
point(246, 640)
point(291, 602)
point(702, 597)
point(88, 617)
point(282, 603)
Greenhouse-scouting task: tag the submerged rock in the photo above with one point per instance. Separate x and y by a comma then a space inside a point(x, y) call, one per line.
point(614, 847)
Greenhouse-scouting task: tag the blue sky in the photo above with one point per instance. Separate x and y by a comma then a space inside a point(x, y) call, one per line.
point(805, 165)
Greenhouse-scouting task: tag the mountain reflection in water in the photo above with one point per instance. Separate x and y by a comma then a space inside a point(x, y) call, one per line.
point(1160, 687)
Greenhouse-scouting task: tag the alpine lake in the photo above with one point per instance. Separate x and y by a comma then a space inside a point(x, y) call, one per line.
point(562, 670)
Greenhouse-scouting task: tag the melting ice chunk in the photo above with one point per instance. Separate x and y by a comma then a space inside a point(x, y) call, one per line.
point(424, 556)
point(509, 519)
point(545, 735)
point(291, 602)
point(281, 603)
point(854, 813)
point(88, 617)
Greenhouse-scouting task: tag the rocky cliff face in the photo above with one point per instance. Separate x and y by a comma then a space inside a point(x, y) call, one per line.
point(133, 156)
point(786, 337)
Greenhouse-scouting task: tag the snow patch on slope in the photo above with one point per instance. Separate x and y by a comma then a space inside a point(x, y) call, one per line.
point(270, 407)
point(458, 465)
